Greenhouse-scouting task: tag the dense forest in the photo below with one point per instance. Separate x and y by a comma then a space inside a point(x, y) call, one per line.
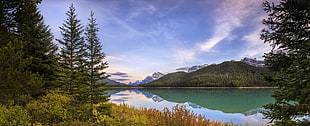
point(287, 31)
point(226, 74)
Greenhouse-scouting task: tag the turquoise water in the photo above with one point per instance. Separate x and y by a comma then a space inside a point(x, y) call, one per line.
point(229, 100)
point(240, 106)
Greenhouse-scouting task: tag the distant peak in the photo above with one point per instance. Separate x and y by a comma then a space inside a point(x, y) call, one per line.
point(254, 62)
point(192, 68)
point(157, 75)
point(147, 79)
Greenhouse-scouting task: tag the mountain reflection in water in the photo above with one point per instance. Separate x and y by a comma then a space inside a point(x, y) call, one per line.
point(167, 98)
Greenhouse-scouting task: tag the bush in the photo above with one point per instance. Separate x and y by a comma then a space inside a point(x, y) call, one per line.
point(52, 109)
point(123, 115)
point(13, 116)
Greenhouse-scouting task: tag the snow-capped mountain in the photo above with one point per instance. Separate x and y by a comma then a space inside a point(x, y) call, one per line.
point(254, 62)
point(192, 68)
point(148, 79)
point(157, 75)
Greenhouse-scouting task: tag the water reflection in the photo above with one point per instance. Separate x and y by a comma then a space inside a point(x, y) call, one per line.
point(160, 99)
point(229, 100)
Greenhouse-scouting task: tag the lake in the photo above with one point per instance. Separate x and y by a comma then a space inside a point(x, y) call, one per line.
point(241, 106)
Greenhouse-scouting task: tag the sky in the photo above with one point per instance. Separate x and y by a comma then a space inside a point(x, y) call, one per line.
point(140, 37)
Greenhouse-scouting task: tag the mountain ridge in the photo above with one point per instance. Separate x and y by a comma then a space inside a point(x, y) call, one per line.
point(154, 76)
point(192, 68)
point(157, 75)
point(226, 74)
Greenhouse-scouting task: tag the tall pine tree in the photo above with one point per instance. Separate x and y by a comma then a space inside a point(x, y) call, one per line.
point(21, 19)
point(95, 63)
point(73, 53)
point(27, 51)
point(17, 85)
point(289, 33)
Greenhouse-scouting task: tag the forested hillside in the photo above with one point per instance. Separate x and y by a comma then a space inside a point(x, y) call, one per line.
point(226, 74)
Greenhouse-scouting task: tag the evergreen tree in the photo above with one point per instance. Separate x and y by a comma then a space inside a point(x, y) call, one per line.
point(288, 32)
point(22, 31)
point(95, 62)
point(39, 41)
point(73, 53)
point(21, 19)
point(17, 85)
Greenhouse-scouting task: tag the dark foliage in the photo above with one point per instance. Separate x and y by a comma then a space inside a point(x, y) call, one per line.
point(21, 19)
point(288, 32)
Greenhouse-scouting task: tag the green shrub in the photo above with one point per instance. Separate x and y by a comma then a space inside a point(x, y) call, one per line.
point(104, 108)
point(13, 116)
point(52, 109)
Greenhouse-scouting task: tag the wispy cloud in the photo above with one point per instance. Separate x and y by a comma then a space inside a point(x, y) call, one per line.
point(131, 32)
point(229, 16)
point(184, 55)
point(254, 45)
point(119, 74)
point(141, 8)
point(209, 44)
point(109, 58)
point(121, 80)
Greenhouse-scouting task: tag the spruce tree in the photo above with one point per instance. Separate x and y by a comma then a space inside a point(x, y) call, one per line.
point(288, 32)
point(73, 53)
point(39, 41)
point(95, 63)
point(21, 19)
point(17, 84)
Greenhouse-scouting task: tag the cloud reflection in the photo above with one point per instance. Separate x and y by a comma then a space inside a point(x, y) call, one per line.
point(143, 99)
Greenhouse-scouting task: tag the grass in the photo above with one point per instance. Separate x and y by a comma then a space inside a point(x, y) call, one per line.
point(179, 116)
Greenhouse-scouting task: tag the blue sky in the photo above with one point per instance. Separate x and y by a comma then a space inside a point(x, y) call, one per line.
point(140, 37)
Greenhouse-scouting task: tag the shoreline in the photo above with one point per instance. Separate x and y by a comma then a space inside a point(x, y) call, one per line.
point(192, 87)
